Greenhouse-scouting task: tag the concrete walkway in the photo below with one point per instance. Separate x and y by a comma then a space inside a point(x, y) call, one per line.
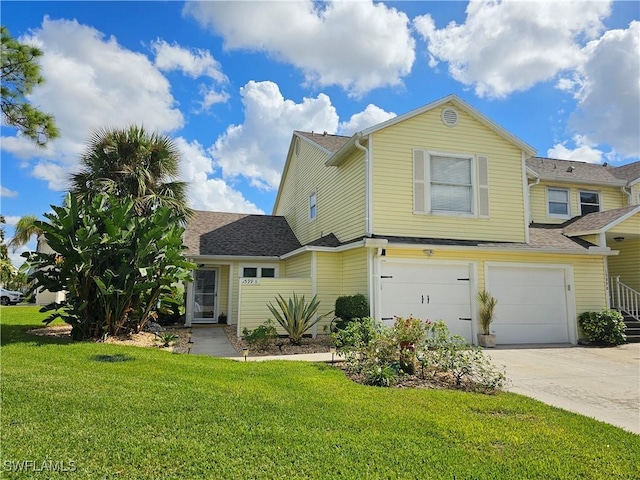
point(211, 340)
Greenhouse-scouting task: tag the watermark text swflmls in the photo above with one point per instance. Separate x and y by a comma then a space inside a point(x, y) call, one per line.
point(39, 465)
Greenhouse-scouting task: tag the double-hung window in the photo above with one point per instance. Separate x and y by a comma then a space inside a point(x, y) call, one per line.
point(558, 203)
point(589, 202)
point(450, 184)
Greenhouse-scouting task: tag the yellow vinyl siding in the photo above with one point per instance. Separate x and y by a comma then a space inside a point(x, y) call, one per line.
point(630, 226)
point(635, 194)
point(298, 266)
point(339, 195)
point(610, 198)
point(588, 270)
point(254, 299)
point(392, 165)
point(355, 272)
point(627, 263)
point(328, 284)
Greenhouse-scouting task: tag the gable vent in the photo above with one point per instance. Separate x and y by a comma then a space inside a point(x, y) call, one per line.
point(297, 147)
point(449, 117)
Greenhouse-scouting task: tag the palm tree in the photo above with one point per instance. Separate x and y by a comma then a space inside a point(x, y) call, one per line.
point(133, 163)
point(24, 230)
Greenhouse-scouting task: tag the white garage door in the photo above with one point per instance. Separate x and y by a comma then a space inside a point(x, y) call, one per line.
point(429, 292)
point(532, 304)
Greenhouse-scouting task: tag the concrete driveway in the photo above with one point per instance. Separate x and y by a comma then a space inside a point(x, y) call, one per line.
point(602, 383)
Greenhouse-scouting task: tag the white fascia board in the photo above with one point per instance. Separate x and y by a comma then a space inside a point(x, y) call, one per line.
point(407, 246)
point(314, 248)
point(532, 173)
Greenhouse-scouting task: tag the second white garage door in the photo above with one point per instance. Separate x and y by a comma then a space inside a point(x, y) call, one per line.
point(427, 291)
point(532, 304)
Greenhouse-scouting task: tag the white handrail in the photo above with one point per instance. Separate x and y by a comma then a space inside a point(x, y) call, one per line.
point(625, 298)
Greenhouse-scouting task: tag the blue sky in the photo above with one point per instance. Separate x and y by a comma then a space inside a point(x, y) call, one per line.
point(231, 81)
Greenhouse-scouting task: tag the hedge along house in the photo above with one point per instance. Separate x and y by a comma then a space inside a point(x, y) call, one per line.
point(419, 213)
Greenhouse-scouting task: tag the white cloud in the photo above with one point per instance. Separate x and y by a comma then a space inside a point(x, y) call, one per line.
point(504, 47)
point(91, 82)
point(5, 192)
point(194, 63)
point(608, 92)
point(372, 115)
point(356, 45)
point(208, 193)
point(210, 97)
point(583, 151)
point(11, 220)
point(257, 148)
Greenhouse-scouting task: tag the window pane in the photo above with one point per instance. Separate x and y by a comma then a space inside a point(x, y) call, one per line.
point(250, 272)
point(558, 208)
point(589, 197)
point(558, 196)
point(451, 198)
point(268, 272)
point(584, 209)
point(451, 170)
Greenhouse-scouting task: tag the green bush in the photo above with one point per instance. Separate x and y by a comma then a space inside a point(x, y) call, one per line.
point(296, 316)
point(261, 337)
point(350, 307)
point(605, 327)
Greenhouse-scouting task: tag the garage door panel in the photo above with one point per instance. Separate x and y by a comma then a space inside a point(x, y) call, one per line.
point(532, 304)
point(428, 292)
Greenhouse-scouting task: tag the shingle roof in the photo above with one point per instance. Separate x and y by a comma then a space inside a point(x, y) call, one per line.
point(333, 143)
point(629, 172)
point(596, 221)
point(569, 170)
point(236, 234)
point(327, 241)
point(552, 237)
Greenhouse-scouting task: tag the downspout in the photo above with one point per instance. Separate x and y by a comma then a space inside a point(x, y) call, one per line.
point(367, 186)
point(529, 185)
point(628, 194)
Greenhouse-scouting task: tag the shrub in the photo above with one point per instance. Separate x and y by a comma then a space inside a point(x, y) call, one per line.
point(167, 338)
point(605, 327)
point(487, 306)
point(171, 307)
point(296, 316)
point(350, 307)
point(261, 337)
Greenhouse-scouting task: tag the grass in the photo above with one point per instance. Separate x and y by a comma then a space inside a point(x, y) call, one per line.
point(126, 412)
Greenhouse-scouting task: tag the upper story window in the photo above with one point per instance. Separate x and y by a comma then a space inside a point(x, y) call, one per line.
point(259, 272)
point(313, 207)
point(589, 202)
point(450, 184)
point(558, 203)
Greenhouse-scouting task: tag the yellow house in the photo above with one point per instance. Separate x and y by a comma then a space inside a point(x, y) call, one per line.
point(419, 214)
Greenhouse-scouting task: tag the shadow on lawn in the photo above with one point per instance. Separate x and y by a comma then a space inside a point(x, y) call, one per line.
point(19, 334)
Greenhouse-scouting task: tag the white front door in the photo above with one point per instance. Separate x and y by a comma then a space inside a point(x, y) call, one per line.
point(205, 299)
point(428, 291)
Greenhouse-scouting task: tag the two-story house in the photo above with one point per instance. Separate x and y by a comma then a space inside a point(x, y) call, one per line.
point(420, 213)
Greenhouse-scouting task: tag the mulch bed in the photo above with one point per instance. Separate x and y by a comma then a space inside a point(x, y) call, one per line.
point(320, 344)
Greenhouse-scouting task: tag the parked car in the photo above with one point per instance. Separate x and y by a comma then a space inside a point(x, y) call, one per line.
point(9, 297)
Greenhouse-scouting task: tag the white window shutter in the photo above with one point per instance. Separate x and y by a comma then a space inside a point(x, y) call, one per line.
point(419, 182)
point(483, 186)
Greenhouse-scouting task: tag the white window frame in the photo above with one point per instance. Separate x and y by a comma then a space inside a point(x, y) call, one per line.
point(600, 209)
point(259, 268)
point(313, 206)
point(558, 215)
point(427, 184)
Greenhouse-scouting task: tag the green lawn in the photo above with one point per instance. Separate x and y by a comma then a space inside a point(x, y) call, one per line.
point(159, 415)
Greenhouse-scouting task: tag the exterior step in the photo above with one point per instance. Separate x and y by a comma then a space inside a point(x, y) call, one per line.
point(633, 338)
point(632, 330)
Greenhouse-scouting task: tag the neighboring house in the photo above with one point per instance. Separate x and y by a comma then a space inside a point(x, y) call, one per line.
point(419, 213)
point(45, 297)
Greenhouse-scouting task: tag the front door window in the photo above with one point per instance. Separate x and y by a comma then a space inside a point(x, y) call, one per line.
point(204, 306)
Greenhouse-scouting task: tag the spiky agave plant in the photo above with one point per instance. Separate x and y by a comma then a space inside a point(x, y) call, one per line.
point(487, 306)
point(296, 316)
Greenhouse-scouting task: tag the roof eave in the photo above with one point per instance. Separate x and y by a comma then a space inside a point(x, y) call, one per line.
point(555, 178)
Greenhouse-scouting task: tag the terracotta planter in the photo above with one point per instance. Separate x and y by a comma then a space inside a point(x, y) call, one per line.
point(487, 341)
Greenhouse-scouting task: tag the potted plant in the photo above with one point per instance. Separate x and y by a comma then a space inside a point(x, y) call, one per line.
point(222, 318)
point(487, 306)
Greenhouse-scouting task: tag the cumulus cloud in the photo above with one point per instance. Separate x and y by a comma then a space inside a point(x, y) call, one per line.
point(608, 92)
point(370, 116)
point(358, 46)
point(583, 151)
point(257, 148)
point(194, 63)
point(504, 47)
point(207, 193)
point(5, 192)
